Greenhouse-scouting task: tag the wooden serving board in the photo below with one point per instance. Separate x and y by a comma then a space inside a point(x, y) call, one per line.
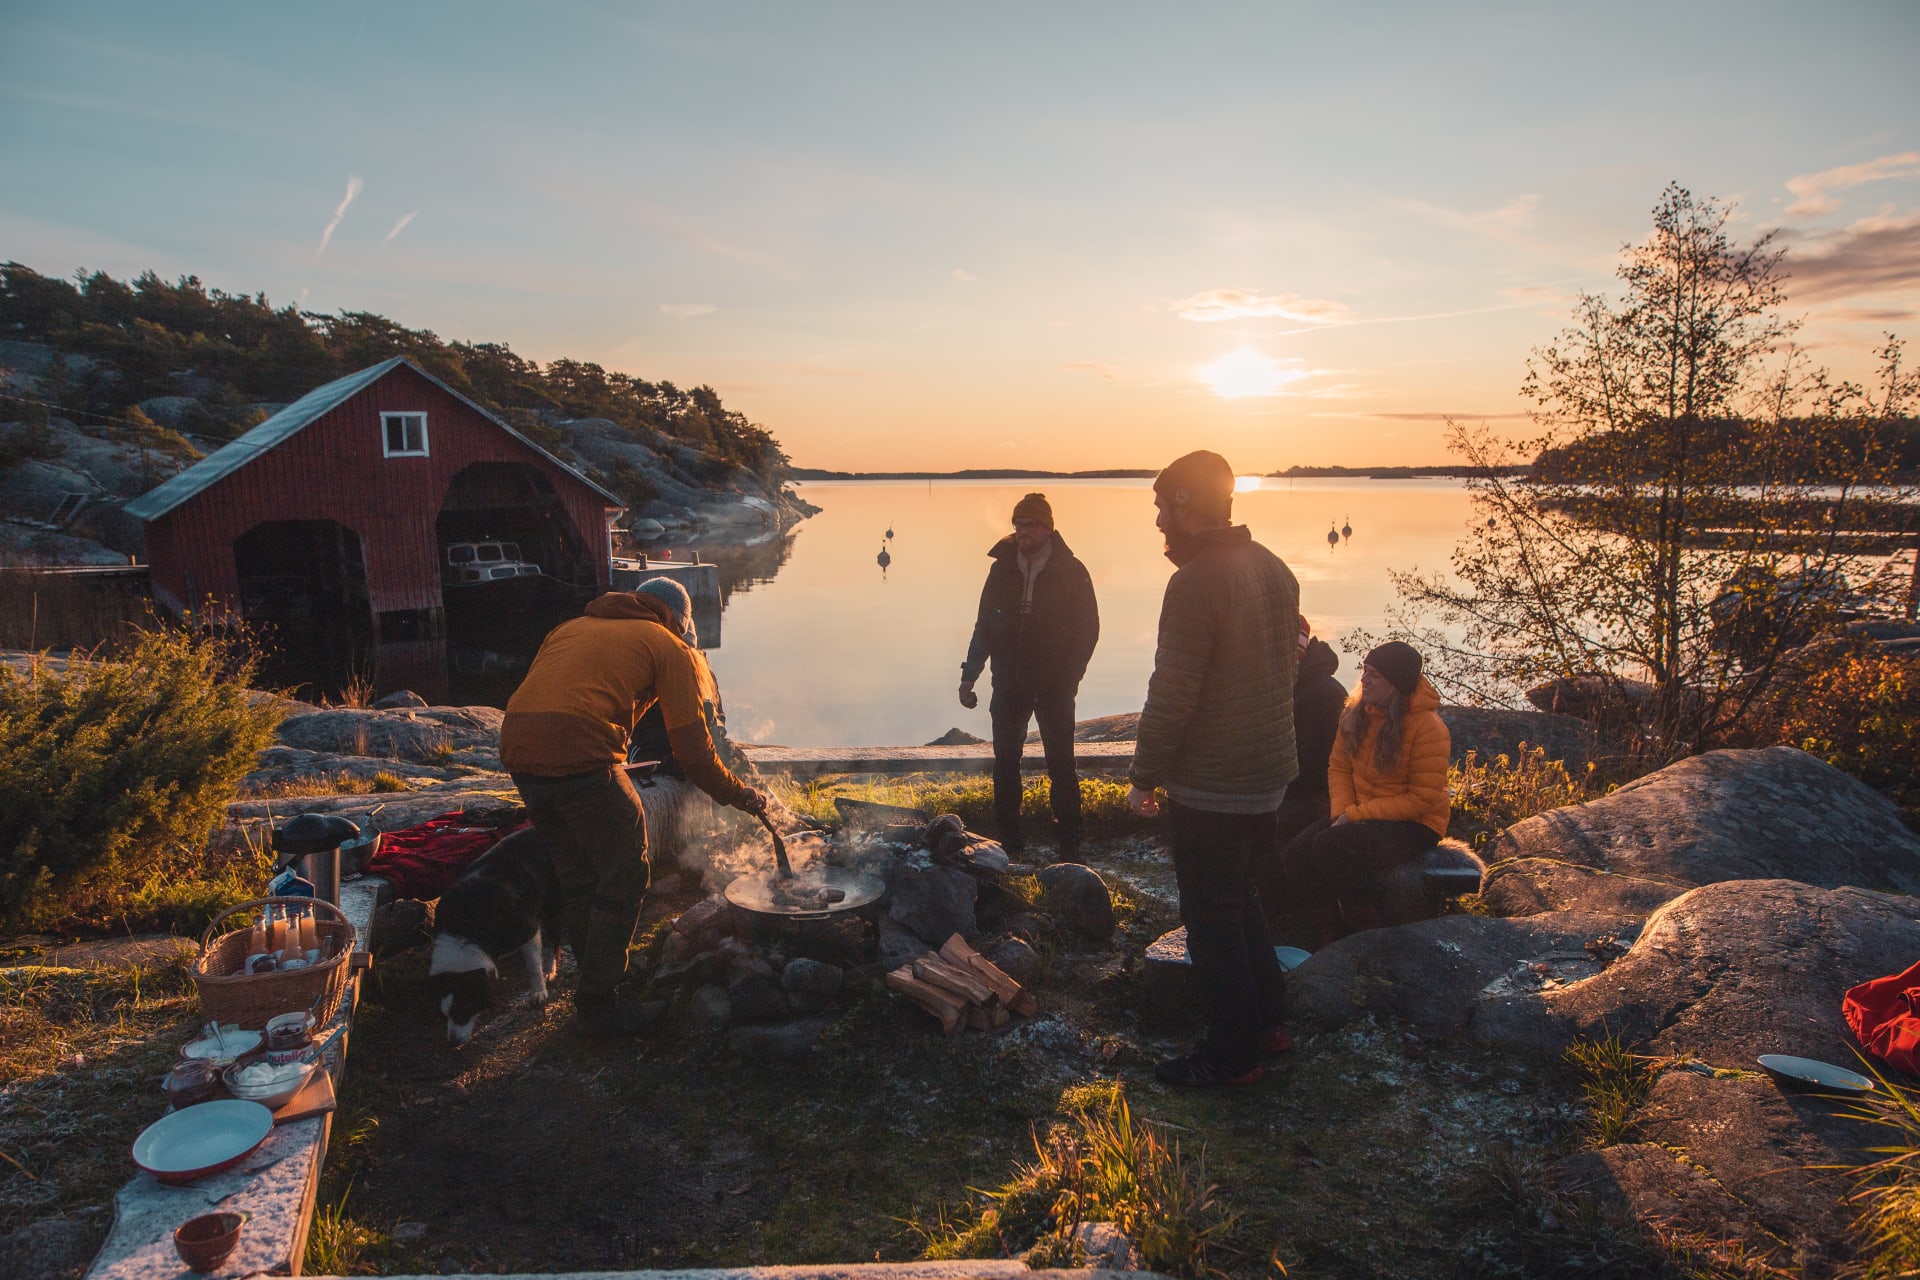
point(315, 1098)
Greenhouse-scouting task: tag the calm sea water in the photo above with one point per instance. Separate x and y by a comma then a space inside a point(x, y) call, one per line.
point(828, 649)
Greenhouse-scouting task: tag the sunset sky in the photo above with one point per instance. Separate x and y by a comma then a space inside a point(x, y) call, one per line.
point(985, 235)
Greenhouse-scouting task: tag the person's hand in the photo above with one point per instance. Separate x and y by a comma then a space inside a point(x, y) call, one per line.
point(1142, 803)
point(968, 698)
point(755, 802)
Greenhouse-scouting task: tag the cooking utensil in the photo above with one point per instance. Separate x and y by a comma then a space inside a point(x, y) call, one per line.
point(1810, 1075)
point(204, 1242)
point(184, 1145)
point(779, 847)
point(767, 898)
point(271, 1096)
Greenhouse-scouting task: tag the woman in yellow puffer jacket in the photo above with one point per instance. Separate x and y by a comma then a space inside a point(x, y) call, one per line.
point(1387, 780)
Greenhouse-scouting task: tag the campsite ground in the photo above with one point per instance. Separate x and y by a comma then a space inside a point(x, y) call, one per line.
point(1368, 1153)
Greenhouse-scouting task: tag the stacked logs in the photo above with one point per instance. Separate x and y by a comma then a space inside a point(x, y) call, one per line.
point(962, 988)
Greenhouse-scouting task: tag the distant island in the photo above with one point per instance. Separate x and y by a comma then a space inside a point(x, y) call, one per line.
point(815, 473)
point(1135, 473)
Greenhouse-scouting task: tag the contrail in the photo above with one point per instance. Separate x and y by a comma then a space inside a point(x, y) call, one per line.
point(353, 189)
point(401, 225)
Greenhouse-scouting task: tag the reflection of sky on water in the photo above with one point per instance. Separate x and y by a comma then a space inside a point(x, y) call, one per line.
point(832, 651)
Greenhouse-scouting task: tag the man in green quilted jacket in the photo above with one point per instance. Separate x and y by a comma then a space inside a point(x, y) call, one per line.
point(1217, 737)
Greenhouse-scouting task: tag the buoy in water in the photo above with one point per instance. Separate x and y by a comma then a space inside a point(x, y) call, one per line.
point(883, 559)
point(1333, 535)
point(889, 533)
point(1346, 530)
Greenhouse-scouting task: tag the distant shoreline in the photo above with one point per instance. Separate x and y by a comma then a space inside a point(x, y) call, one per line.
point(1291, 473)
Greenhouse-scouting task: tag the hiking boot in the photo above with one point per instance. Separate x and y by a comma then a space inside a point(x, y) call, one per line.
point(1199, 1072)
point(1275, 1041)
point(605, 1016)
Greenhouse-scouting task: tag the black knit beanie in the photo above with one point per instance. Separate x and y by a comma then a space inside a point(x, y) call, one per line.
point(1201, 481)
point(1034, 507)
point(1399, 663)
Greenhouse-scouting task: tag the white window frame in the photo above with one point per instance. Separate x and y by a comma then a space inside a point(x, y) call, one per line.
point(386, 437)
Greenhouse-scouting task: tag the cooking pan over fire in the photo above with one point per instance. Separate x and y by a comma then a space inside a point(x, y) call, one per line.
point(782, 895)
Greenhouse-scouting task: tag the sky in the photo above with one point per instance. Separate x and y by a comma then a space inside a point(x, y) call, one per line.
point(1047, 235)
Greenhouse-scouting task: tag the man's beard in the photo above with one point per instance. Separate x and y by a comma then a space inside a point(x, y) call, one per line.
point(1181, 546)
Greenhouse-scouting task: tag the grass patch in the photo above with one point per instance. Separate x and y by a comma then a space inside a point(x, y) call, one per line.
point(336, 1244)
point(1614, 1084)
point(1103, 801)
point(81, 1051)
point(1101, 1164)
point(1888, 1194)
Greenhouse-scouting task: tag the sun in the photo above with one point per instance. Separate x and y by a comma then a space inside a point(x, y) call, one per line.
point(1245, 373)
point(1245, 484)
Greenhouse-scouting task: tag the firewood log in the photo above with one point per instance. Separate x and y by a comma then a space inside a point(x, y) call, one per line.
point(950, 1010)
point(1017, 998)
point(950, 977)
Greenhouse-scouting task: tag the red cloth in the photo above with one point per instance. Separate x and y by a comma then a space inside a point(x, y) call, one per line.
point(1885, 1015)
point(420, 862)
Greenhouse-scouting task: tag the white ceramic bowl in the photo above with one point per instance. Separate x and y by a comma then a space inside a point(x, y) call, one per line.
point(199, 1140)
point(270, 1096)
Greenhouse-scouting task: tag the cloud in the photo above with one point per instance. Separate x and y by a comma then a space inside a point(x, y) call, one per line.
point(400, 226)
point(1516, 214)
point(353, 189)
point(1874, 255)
point(1213, 305)
point(1865, 315)
point(1816, 190)
point(1546, 300)
point(964, 276)
point(1101, 368)
point(1435, 416)
point(686, 310)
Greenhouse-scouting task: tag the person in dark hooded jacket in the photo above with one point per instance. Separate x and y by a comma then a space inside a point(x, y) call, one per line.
point(1318, 700)
point(1037, 625)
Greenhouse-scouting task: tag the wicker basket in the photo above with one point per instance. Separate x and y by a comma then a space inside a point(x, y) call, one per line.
point(228, 993)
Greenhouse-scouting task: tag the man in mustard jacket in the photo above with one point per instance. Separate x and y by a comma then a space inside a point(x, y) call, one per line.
point(564, 741)
point(1387, 780)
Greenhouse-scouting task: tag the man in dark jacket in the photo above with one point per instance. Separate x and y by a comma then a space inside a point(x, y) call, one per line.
point(1038, 623)
point(1217, 734)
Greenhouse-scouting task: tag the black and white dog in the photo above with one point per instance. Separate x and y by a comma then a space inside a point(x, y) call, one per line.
point(508, 900)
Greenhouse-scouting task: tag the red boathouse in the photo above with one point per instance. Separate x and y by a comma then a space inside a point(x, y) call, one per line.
point(329, 523)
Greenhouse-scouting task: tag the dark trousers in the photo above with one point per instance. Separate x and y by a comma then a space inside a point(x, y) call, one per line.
point(1011, 709)
point(1215, 856)
point(598, 833)
point(1325, 864)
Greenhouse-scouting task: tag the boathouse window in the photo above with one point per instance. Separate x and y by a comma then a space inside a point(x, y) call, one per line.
point(406, 434)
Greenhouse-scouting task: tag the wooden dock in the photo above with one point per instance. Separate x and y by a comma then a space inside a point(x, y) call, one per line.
point(812, 762)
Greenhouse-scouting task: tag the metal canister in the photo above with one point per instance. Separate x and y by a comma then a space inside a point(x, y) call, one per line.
point(322, 870)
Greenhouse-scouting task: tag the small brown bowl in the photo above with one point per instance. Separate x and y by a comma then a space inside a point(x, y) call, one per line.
point(204, 1242)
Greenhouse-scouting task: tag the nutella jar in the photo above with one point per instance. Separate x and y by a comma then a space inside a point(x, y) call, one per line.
point(289, 1039)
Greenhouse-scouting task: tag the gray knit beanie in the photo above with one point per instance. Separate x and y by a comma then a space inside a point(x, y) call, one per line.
point(675, 597)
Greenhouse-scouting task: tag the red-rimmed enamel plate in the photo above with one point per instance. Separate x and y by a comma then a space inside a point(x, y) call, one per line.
point(196, 1141)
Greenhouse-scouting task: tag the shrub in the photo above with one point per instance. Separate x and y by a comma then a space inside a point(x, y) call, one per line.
point(1491, 795)
point(109, 767)
point(1858, 708)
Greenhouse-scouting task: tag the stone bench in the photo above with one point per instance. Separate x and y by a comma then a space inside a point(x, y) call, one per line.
point(276, 1184)
point(1421, 889)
